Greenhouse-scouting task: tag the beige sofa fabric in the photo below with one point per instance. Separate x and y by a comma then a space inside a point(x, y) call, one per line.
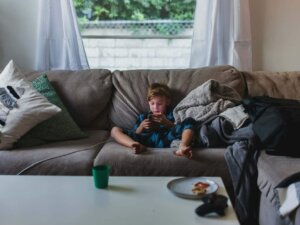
point(163, 162)
point(85, 93)
point(129, 98)
point(79, 163)
point(274, 84)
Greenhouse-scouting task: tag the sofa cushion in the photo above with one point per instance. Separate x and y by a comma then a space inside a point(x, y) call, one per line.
point(58, 128)
point(22, 107)
point(85, 93)
point(163, 162)
point(76, 156)
point(273, 84)
point(272, 170)
point(129, 98)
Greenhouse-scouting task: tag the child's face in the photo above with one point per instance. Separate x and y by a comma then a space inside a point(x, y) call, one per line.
point(158, 104)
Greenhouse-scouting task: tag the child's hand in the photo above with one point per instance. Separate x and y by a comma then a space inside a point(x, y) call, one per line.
point(146, 124)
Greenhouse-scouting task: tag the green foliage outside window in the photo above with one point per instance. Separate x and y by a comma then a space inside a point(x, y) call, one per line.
point(135, 9)
point(96, 10)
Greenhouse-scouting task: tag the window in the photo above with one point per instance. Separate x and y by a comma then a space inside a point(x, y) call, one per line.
point(135, 34)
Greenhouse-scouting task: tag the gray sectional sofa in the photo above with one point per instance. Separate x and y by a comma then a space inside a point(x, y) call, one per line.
point(98, 99)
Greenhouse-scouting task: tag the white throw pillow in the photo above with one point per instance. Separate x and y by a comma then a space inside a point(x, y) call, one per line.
point(21, 106)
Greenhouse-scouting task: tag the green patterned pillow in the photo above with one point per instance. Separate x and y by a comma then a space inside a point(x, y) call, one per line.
point(58, 128)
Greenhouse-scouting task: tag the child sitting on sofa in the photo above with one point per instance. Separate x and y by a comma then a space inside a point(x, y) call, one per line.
point(156, 128)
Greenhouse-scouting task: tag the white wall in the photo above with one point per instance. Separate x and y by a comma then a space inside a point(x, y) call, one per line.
point(130, 54)
point(275, 34)
point(18, 22)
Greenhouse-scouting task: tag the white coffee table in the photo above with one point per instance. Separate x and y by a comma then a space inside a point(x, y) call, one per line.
point(63, 200)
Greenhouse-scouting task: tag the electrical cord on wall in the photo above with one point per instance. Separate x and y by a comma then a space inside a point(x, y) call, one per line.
point(58, 156)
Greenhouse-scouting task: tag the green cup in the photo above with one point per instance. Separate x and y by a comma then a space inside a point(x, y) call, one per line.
point(101, 175)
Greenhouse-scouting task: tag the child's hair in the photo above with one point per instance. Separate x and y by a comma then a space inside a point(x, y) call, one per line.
point(158, 89)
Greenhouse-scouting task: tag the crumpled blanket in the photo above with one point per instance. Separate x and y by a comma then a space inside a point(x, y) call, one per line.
point(209, 99)
point(236, 116)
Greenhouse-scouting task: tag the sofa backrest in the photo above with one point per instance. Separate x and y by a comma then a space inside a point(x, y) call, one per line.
point(130, 88)
point(273, 84)
point(85, 93)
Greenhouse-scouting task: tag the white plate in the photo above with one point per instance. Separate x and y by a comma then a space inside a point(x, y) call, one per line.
point(182, 187)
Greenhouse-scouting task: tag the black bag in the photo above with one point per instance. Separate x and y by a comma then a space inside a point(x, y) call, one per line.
point(276, 122)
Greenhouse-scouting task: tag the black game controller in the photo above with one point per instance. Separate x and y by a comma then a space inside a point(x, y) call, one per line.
point(212, 204)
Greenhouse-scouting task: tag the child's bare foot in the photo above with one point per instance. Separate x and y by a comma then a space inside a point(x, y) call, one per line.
point(137, 148)
point(184, 151)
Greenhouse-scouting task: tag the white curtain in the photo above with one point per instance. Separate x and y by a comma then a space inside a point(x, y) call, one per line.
point(222, 34)
point(59, 44)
